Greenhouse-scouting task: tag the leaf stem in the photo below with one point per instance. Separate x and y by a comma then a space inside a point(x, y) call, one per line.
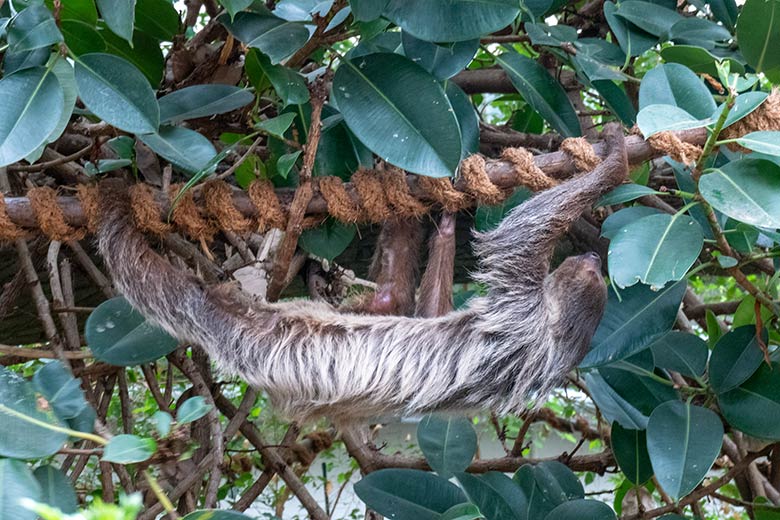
point(61, 429)
point(160, 494)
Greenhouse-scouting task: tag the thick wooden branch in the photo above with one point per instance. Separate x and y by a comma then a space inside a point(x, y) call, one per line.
point(501, 173)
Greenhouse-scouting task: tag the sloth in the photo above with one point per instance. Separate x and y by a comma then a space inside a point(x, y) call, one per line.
point(505, 351)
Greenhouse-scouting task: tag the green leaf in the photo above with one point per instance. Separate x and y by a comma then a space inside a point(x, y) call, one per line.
point(119, 16)
point(117, 92)
point(276, 126)
point(697, 59)
point(747, 190)
point(758, 33)
point(698, 31)
point(407, 494)
point(367, 10)
point(658, 118)
point(33, 28)
point(105, 165)
point(497, 496)
point(681, 352)
point(162, 423)
point(620, 219)
point(118, 335)
point(286, 163)
point(630, 450)
point(186, 149)
point(145, 53)
point(202, 101)
point(81, 10)
point(743, 106)
point(235, 6)
point(20, 438)
point(741, 237)
point(328, 240)
point(157, 18)
point(653, 18)
point(65, 76)
point(654, 250)
point(31, 104)
point(683, 441)
point(736, 357)
point(399, 112)
point(288, 84)
point(755, 406)
point(634, 324)
point(582, 509)
point(127, 449)
point(617, 100)
point(16, 484)
point(451, 21)
point(612, 405)
point(468, 121)
point(633, 40)
point(545, 486)
point(123, 146)
point(542, 92)
point(56, 489)
point(628, 376)
point(441, 60)
point(676, 85)
point(625, 193)
point(448, 443)
point(63, 392)
point(462, 512)
point(192, 409)
point(766, 141)
point(275, 37)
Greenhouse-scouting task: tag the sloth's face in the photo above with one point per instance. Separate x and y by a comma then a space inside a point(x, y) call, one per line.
point(577, 291)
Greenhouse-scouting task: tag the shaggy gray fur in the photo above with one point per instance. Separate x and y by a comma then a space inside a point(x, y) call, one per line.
point(520, 340)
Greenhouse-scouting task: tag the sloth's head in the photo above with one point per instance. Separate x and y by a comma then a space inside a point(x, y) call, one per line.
point(576, 294)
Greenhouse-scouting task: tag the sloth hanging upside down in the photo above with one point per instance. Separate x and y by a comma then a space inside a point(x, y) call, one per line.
point(518, 341)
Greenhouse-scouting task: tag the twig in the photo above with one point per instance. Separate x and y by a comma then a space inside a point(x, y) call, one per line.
point(50, 164)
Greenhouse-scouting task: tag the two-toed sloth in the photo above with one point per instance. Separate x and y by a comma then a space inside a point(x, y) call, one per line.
point(517, 342)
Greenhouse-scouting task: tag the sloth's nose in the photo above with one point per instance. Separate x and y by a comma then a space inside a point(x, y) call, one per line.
point(593, 257)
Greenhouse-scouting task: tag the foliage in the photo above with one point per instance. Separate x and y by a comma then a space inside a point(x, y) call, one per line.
point(682, 380)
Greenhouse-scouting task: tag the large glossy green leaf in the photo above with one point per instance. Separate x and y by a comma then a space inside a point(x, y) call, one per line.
point(119, 16)
point(451, 21)
point(624, 193)
point(658, 118)
point(127, 449)
point(145, 53)
point(675, 84)
point(766, 141)
point(468, 121)
point(653, 18)
point(406, 494)
point(367, 10)
point(634, 381)
point(545, 486)
point(63, 392)
point(633, 40)
point(698, 31)
point(17, 483)
point(448, 443)
point(20, 438)
point(582, 509)
point(443, 61)
point(736, 357)
point(400, 112)
point(697, 59)
point(541, 91)
point(31, 105)
point(465, 511)
point(327, 240)
point(681, 352)
point(82, 10)
point(497, 496)
point(117, 334)
point(611, 405)
point(758, 32)
point(683, 441)
point(743, 106)
point(654, 250)
point(56, 489)
point(747, 190)
point(754, 406)
point(617, 100)
point(117, 92)
point(192, 409)
point(67, 80)
point(202, 101)
point(157, 18)
point(275, 37)
point(33, 28)
point(618, 220)
point(630, 450)
point(184, 148)
point(82, 38)
point(288, 84)
point(634, 323)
